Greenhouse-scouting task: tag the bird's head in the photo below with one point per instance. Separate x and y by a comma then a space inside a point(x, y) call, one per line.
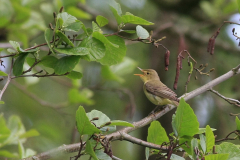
point(148, 74)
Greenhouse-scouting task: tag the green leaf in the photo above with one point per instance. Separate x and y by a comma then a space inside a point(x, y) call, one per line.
point(238, 4)
point(157, 134)
point(127, 66)
point(73, 51)
point(203, 130)
point(185, 119)
point(30, 61)
point(4, 130)
point(78, 13)
point(18, 64)
point(48, 34)
point(116, 15)
point(66, 64)
point(176, 157)
point(83, 96)
point(16, 46)
point(102, 21)
point(84, 126)
point(89, 150)
point(96, 48)
point(12, 51)
point(103, 39)
point(3, 73)
point(2, 102)
point(237, 123)
point(64, 38)
point(102, 119)
point(194, 144)
point(121, 123)
point(107, 74)
point(30, 133)
point(229, 148)
point(210, 139)
point(21, 150)
point(203, 143)
point(74, 75)
point(74, 27)
point(114, 55)
point(187, 148)
point(7, 154)
point(142, 32)
point(67, 19)
point(95, 27)
point(102, 156)
point(217, 157)
point(135, 20)
point(49, 61)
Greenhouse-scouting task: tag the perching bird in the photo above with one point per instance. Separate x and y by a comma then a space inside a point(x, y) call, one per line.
point(157, 92)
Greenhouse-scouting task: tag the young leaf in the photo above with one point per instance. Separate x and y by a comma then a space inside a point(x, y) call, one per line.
point(74, 27)
point(7, 154)
point(49, 61)
point(187, 147)
point(16, 46)
point(185, 119)
point(2, 102)
point(147, 153)
point(121, 123)
point(96, 49)
point(203, 130)
point(67, 19)
point(64, 38)
point(103, 39)
point(3, 73)
point(217, 157)
point(102, 21)
point(73, 51)
point(142, 32)
point(203, 143)
point(237, 123)
point(66, 64)
point(74, 75)
point(4, 131)
point(18, 64)
point(102, 156)
point(48, 34)
point(116, 15)
point(194, 145)
point(21, 150)
point(102, 119)
point(157, 134)
point(89, 150)
point(83, 96)
point(135, 20)
point(75, 11)
point(230, 148)
point(129, 31)
point(30, 133)
point(95, 27)
point(84, 126)
point(210, 139)
point(176, 157)
point(114, 55)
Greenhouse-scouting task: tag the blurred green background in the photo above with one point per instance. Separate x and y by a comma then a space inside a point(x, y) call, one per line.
point(49, 104)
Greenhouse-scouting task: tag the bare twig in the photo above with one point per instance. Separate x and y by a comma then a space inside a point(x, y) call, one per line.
point(226, 138)
point(8, 80)
point(229, 100)
point(143, 122)
point(44, 75)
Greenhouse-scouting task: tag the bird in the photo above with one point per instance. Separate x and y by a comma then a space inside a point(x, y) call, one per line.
point(157, 92)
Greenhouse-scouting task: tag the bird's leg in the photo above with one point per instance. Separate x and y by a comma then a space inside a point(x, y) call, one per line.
point(156, 109)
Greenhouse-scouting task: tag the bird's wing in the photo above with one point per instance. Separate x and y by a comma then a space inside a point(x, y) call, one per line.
point(159, 89)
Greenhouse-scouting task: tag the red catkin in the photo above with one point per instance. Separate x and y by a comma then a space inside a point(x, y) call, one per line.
point(177, 72)
point(167, 55)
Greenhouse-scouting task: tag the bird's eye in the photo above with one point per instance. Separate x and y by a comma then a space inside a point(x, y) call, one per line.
point(148, 73)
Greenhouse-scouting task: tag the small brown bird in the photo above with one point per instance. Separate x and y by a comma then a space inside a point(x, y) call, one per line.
point(157, 92)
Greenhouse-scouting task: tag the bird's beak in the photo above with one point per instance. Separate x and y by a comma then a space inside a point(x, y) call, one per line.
point(139, 74)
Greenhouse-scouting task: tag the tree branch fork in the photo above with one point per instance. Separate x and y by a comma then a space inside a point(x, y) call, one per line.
point(123, 134)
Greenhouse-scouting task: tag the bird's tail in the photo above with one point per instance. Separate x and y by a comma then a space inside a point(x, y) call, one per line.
point(175, 103)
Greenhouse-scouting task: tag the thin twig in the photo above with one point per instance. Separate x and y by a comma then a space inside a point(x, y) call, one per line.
point(229, 100)
point(8, 80)
point(226, 138)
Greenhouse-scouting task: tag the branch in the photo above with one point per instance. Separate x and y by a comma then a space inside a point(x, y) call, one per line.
point(145, 121)
point(8, 80)
point(229, 100)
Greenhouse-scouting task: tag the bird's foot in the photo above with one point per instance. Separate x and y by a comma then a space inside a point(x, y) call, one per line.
point(157, 108)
